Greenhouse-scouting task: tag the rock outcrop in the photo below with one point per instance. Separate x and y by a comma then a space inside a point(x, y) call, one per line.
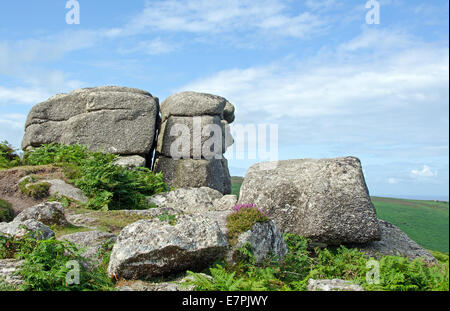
point(326, 200)
point(156, 247)
point(193, 136)
point(48, 213)
point(28, 228)
point(114, 119)
point(394, 242)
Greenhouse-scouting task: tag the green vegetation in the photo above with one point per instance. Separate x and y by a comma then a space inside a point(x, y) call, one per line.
point(426, 222)
point(6, 211)
point(108, 186)
point(48, 265)
point(5, 287)
point(109, 221)
point(8, 156)
point(236, 183)
point(67, 229)
point(293, 272)
point(38, 190)
point(242, 219)
point(171, 219)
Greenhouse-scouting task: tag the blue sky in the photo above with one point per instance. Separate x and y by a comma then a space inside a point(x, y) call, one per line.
point(335, 85)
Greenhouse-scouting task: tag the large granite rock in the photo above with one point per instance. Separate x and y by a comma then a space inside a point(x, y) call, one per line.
point(226, 176)
point(176, 137)
point(154, 247)
point(326, 200)
point(185, 173)
point(191, 104)
point(48, 213)
point(265, 241)
point(394, 242)
point(113, 119)
point(28, 228)
point(193, 136)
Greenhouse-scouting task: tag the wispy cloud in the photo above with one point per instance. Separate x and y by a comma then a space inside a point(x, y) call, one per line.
point(150, 47)
point(339, 97)
point(269, 17)
point(426, 171)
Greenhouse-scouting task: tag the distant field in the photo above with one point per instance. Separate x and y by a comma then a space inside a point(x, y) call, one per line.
point(426, 222)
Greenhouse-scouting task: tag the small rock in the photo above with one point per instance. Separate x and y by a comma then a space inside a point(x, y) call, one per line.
point(264, 239)
point(130, 161)
point(225, 203)
point(61, 188)
point(8, 267)
point(153, 247)
point(18, 229)
point(48, 213)
point(91, 241)
point(332, 285)
point(81, 219)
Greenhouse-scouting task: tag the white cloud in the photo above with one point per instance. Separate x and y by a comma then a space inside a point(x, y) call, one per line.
point(425, 172)
point(342, 97)
point(21, 95)
point(215, 17)
point(393, 180)
point(151, 47)
point(12, 128)
point(320, 4)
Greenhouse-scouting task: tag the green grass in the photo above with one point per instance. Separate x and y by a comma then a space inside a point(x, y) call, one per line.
point(236, 183)
point(426, 222)
point(6, 211)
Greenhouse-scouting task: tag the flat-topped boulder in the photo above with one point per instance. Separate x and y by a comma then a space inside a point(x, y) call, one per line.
point(114, 119)
point(326, 200)
point(191, 104)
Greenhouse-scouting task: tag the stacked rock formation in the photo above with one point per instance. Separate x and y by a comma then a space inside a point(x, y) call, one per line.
point(193, 136)
point(114, 119)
